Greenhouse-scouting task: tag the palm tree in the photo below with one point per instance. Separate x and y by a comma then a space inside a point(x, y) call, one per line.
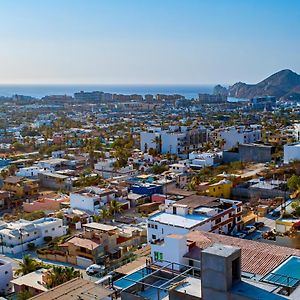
point(59, 275)
point(24, 295)
point(28, 265)
point(115, 207)
point(105, 213)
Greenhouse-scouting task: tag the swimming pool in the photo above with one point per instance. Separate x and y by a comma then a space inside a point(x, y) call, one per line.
point(124, 283)
point(286, 274)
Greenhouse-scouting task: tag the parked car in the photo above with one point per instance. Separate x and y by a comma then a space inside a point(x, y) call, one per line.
point(94, 269)
point(240, 235)
point(259, 225)
point(249, 229)
point(275, 213)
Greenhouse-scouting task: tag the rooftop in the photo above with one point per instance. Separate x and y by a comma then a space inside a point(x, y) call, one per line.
point(75, 289)
point(99, 226)
point(33, 279)
point(186, 221)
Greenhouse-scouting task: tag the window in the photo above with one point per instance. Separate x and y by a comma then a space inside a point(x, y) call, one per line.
point(53, 229)
point(153, 237)
point(149, 225)
point(236, 269)
point(46, 231)
point(158, 256)
point(218, 220)
point(162, 231)
point(238, 209)
point(155, 226)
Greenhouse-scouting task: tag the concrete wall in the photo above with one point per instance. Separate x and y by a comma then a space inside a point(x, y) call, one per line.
point(255, 153)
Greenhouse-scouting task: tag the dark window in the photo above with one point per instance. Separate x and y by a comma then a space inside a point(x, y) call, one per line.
point(236, 269)
point(218, 220)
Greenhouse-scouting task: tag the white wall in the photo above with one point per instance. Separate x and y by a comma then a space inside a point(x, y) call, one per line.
point(82, 202)
point(291, 152)
point(6, 275)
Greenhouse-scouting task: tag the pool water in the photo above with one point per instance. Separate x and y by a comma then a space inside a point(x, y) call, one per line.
point(286, 274)
point(124, 283)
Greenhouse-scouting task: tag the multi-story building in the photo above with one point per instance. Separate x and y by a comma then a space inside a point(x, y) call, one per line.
point(212, 99)
point(106, 169)
point(20, 186)
point(91, 199)
point(16, 236)
point(6, 275)
point(179, 140)
point(233, 136)
point(291, 152)
point(195, 213)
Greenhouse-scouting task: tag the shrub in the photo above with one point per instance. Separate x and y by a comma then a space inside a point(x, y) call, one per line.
point(48, 239)
point(31, 246)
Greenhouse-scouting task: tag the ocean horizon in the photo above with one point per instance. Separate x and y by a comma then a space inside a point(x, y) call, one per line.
point(41, 90)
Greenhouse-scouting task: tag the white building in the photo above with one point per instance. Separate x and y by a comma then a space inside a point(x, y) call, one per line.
point(16, 236)
point(91, 199)
point(291, 152)
point(6, 275)
point(178, 168)
point(195, 213)
point(28, 172)
point(150, 139)
point(179, 140)
point(52, 164)
point(239, 135)
point(200, 160)
point(105, 168)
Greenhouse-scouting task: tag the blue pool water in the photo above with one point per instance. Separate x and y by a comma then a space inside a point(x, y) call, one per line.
point(124, 283)
point(287, 274)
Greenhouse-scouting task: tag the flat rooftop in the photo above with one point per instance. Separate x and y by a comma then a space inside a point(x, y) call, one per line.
point(76, 289)
point(186, 221)
point(99, 226)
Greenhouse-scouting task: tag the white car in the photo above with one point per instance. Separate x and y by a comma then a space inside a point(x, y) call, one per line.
point(94, 269)
point(240, 235)
point(249, 228)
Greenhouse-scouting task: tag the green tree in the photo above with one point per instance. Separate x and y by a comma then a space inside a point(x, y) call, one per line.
point(293, 182)
point(24, 295)
point(115, 207)
point(28, 265)
point(104, 213)
point(59, 275)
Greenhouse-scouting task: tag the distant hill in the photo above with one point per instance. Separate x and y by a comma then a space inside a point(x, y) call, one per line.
point(284, 84)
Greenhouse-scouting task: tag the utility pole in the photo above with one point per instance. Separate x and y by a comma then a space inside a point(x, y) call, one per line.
point(2, 246)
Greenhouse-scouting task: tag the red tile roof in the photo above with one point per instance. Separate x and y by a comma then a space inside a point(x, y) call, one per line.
point(257, 257)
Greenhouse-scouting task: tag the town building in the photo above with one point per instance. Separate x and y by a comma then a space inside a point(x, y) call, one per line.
point(6, 275)
point(195, 213)
point(91, 199)
point(291, 152)
point(16, 236)
point(20, 186)
point(233, 136)
point(77, 288)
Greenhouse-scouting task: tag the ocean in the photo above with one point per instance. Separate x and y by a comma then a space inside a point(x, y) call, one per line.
point(38, 91)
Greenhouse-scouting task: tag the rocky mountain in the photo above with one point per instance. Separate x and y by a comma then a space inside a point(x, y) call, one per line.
point(284, 84)
point(220, 90)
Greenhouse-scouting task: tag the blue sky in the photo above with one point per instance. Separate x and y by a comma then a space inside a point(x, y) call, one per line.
point(147, 42)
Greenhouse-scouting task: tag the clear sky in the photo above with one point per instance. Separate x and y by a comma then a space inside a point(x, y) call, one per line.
point(147, 41)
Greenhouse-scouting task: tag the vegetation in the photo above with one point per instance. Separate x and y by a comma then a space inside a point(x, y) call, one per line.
point(24, 295)
point(59, 275)
point(28, 265)
point(293, 183)
point(115, 207)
